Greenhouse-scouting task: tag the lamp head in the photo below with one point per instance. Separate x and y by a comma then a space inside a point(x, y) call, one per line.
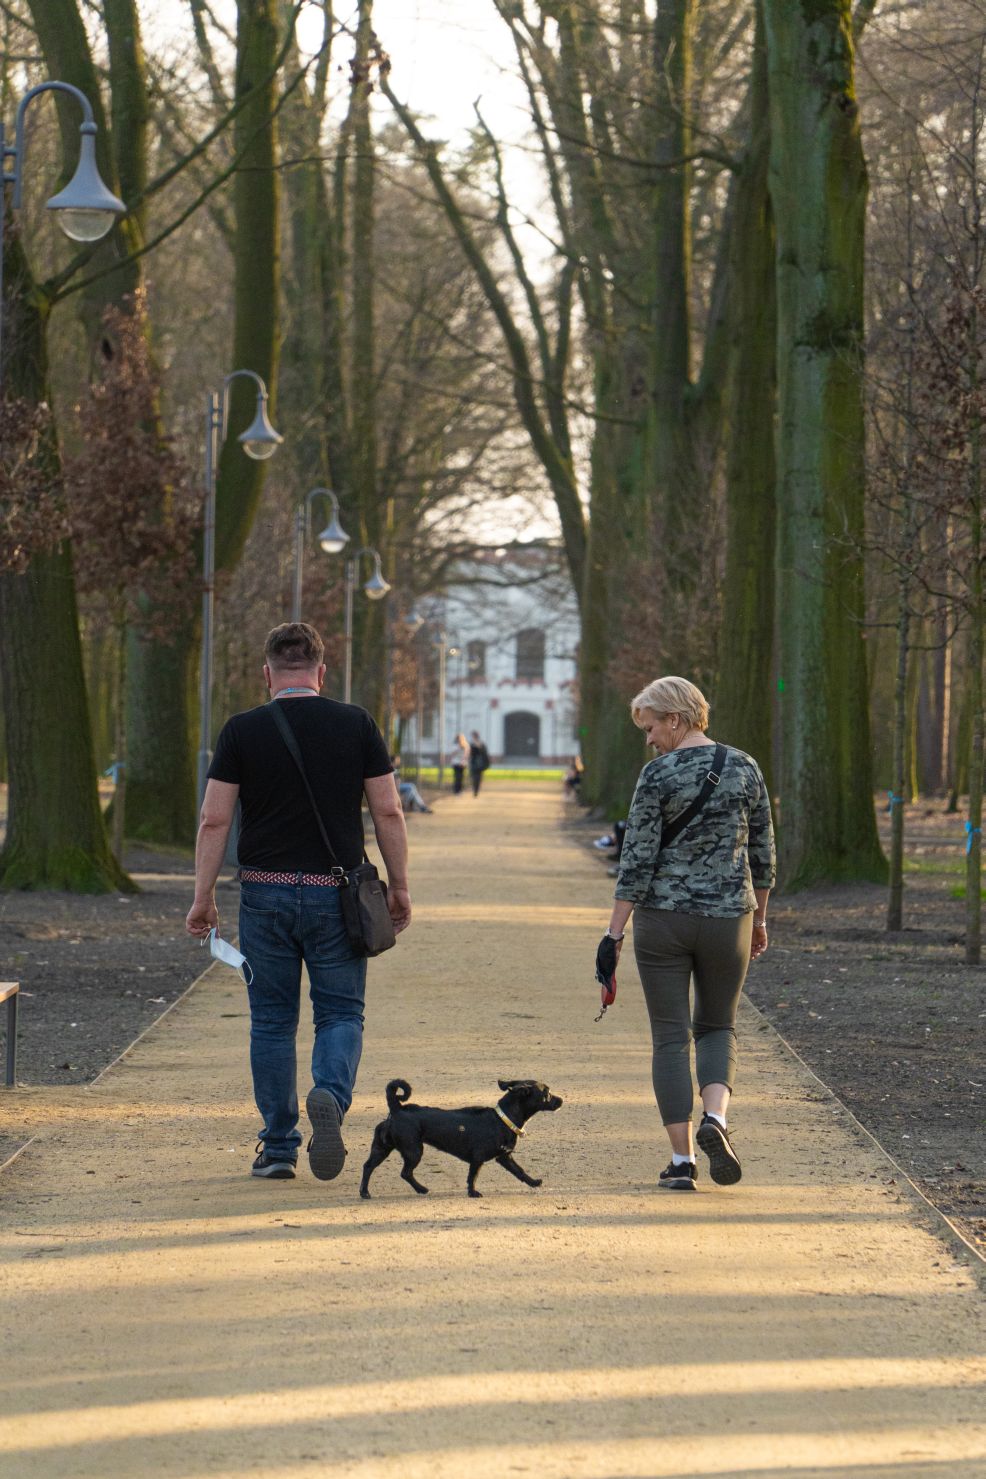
point(376, 587)
point(260, 440)
point(333, 538)
point(85, 209)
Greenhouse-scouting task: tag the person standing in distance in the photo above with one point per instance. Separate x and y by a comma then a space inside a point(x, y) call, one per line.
point(289, 901)
point(699, 905)
point(479, 761)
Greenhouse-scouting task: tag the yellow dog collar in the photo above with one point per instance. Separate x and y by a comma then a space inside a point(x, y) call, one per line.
point(509, 1123)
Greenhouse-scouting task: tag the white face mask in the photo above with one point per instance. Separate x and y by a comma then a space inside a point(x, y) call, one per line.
point(221, 949)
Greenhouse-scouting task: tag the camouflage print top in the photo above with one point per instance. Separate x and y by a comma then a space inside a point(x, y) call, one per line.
point(713, 866)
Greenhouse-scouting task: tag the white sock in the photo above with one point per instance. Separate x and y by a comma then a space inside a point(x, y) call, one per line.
point(720, 1119)
point(681, 1160)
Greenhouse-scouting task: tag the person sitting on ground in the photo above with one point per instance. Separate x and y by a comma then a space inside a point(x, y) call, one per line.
point(573, 776)
point(699, 902)
point(411, 797)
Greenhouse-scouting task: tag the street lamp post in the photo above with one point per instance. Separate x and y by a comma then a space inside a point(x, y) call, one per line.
point(375, 590)
point(456, 652)
point(333, 540)
point(259, 441)
point(85, 209)
point(442, 671)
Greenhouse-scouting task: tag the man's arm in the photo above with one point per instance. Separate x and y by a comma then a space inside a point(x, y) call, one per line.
point(391, 833)
point(218, 806)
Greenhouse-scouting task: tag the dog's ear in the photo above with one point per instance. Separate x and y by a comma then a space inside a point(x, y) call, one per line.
point(512, 1083)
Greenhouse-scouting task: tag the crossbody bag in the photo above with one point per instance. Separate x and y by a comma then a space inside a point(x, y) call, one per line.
point(675, 828)
point(362, 894)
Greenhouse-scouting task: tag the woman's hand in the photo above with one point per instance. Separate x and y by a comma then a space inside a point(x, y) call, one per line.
point(759, 942)
point(607, 956)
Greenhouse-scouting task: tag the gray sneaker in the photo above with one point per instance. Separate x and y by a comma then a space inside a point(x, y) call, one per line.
point(326, 1152)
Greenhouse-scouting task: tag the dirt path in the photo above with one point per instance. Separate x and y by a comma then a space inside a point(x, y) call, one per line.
point(165, 1314)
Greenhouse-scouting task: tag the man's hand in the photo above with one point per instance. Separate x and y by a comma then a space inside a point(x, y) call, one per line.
point(202, 917)
point(399, 904)
point(218, 806)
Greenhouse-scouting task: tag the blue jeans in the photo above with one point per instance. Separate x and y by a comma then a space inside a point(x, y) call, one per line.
point(280, 926)
point(409, 792)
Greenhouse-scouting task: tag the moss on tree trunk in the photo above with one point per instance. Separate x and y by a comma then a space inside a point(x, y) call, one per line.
point(55, 832)
point(818, 191)
point(743, 711)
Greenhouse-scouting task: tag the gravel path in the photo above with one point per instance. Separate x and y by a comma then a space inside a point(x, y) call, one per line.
point(167, 1314)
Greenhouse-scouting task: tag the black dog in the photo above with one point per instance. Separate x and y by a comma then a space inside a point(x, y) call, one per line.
point(474, 1135)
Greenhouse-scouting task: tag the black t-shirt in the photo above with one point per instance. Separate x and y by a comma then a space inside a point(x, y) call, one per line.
point(341, 747)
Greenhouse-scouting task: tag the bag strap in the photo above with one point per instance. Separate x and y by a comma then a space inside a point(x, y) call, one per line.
point(673, 830)
point(287, 735)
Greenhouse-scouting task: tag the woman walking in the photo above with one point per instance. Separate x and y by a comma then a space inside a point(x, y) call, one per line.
point(696, 871)
point(459, 760)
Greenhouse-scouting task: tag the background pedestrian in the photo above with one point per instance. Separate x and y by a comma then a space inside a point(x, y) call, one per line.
point(479, 761)
point(459, 761)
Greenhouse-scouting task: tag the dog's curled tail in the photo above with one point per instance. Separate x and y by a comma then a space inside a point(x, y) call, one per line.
point(398, 1093)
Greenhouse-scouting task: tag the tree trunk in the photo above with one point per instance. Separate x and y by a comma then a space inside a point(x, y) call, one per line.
point(56, 837)
point(960, 756)
point(818, 192)
point(160, 744)
point(743, 711)
point(99, 650)
point(119, 818)
point(895, 897)
point(676, 506)
point(977, 622)
point(256, 270)
point(369, 617)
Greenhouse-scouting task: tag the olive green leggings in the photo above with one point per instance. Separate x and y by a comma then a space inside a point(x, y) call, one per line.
point(671, 949)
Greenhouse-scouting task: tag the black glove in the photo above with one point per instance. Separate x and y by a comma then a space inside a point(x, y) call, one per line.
point(606, 963)
point(606, 972)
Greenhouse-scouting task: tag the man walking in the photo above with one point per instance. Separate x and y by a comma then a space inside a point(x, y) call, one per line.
point(289, 901)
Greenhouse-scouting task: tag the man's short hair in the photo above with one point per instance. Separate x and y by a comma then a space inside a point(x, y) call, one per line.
point(293, 644)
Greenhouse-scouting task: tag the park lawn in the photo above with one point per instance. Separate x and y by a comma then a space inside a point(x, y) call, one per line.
point(429, 774)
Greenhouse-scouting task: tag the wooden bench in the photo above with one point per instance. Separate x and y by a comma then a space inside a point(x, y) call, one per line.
point(8, 993)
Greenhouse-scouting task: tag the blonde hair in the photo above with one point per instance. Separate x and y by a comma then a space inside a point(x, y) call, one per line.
point(672, 696)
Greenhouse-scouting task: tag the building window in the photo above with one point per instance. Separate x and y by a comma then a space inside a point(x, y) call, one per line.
point(428, 724)
point(476, 661)
point(530, 655)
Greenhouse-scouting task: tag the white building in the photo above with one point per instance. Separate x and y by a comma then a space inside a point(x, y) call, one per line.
point(512, 630)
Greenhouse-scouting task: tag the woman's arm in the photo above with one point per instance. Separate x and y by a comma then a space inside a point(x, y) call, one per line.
point(641, 841)
point(759, 944)
point(618, 921)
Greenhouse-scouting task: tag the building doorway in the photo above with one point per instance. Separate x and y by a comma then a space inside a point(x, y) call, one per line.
point(521, 736)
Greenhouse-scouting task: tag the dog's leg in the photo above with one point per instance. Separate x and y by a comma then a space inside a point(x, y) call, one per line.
point(379, 1151)
point(474, 1170)
point(508, 1163)
point(412, 1154)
